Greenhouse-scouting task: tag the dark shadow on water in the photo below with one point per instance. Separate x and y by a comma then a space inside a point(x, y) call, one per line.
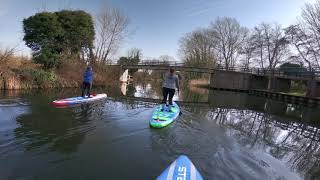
point(52, 128)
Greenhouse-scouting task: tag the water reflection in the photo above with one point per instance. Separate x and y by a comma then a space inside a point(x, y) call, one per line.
point(56, 131)
point(287, 132)
point(227, 135)
point(142, 90)
point(11, 107)
point(154, 90)
point(294, 144)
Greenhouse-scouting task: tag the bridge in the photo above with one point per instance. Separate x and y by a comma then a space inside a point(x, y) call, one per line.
point(290, 73)
point(236, 78)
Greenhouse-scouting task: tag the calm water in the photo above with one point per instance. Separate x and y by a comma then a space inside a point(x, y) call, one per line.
point(227, 136)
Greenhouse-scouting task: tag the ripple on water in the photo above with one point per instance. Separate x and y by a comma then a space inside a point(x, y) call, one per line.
point(116, 136)
point(13, 102)
point(10, 110)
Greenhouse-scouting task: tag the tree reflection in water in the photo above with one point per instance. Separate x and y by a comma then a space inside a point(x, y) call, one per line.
point(287, 132)
point(295, 143)
point(55, 132)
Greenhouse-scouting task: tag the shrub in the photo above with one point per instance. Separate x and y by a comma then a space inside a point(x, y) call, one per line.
point(48, 58)
point(39, 77)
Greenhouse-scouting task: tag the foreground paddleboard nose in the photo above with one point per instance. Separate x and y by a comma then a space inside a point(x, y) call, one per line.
point(181, 169)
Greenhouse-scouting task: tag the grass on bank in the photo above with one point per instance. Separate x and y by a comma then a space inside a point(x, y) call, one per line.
point(303, 94)
point(22, 72)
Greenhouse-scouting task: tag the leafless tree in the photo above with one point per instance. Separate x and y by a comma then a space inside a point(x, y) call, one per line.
point(228, 36)
point(310, 29)
point(275, 47)
point(134, 53)
point(258, 43)
point(7, 53)
point(305, 38)
point(311, 23)
point(303, 43)
point(247, 51)
point(112, 28)
point(197, 48)
point(166, 58)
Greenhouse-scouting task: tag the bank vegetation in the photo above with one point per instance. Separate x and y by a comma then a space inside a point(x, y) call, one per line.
point(63, 43)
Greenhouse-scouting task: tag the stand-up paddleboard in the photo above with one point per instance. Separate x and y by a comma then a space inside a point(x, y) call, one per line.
point(78, 100)
point(161, 119)
point(181, 169)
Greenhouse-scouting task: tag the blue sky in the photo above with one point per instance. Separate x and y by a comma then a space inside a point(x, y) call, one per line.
point(158, 24)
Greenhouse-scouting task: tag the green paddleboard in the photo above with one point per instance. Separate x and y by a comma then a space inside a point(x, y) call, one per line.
point(161, 119)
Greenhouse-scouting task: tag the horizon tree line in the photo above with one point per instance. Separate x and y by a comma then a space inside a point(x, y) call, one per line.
point(225, 42)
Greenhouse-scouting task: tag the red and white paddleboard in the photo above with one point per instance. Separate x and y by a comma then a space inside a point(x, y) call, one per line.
point(78, 100)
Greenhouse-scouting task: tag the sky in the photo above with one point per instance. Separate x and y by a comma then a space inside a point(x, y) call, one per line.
point(157, 25)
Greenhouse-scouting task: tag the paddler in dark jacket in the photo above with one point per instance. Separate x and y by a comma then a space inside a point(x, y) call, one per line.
point(87, 81)
point(169, 86)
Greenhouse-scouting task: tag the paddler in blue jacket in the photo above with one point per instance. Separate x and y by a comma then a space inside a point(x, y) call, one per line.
point(169, 86)
point(87, 81)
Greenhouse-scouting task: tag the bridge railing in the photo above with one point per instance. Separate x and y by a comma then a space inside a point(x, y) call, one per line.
point(161, 63)
point(171, 63)
point(287, 72)
point(292, 72)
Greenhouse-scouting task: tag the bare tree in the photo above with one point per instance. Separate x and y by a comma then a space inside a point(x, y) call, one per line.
point(166, 58)
point(303, 43)
point(228, 36)
point(275, 44)
point(134, 53)
point(112, 28)
point(274, 47)
point(7, 53)
point(197, 49)
point(247, 51)
point(258, 43)
point(310, 29)
point(305, 38)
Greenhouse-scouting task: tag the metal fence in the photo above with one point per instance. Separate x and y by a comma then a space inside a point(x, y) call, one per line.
point(287, 72)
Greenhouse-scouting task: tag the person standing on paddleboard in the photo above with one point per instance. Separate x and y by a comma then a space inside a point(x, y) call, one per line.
point(87, 82)
point(169, 86)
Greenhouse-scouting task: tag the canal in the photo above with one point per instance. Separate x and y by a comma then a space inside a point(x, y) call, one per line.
point(227, 135)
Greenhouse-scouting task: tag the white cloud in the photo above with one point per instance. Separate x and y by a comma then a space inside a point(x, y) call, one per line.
point(202, 6)
point(200, 11)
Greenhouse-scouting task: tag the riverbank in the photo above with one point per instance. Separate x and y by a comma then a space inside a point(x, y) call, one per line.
point(279, 96)
point(199, 85)
point(22, 73)
point(293, 97)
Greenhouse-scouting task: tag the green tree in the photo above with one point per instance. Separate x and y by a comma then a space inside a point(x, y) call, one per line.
point(78, 30)
point(48, 57)
point(43, 30)
point(50, 35)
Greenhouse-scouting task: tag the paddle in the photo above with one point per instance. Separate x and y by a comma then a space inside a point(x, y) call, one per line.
point(180, 113)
